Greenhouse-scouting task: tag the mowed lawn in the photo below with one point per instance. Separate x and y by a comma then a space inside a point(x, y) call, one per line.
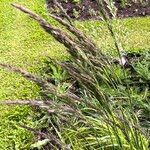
point(24, 44)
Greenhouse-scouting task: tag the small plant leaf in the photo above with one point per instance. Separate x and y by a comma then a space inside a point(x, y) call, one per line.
point(40, 144)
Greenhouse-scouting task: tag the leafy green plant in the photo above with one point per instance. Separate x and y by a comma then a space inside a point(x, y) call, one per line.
point(56, 73)
point(143, 68)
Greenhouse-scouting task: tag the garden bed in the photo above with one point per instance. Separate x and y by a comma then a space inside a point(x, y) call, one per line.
point(88, 9)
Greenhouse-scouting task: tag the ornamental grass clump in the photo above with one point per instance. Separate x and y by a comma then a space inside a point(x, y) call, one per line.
point(102, 114)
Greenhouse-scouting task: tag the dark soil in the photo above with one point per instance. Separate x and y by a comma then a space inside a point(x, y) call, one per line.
point(88, 9)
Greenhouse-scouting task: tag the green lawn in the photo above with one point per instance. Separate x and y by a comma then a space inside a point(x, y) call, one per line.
point(134, 34)
point(24, 44)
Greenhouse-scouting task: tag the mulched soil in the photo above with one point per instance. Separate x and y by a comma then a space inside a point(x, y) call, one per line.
point(88, 9)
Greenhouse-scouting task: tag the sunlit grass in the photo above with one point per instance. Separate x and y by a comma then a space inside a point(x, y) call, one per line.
point(133, 33)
